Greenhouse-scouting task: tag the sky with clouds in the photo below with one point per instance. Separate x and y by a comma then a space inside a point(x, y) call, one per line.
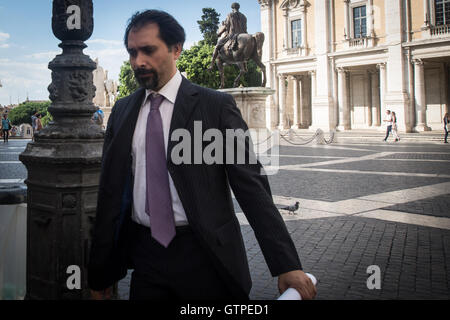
point(27, 43)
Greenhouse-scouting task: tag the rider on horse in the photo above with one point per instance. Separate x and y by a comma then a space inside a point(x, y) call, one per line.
point(235, 24)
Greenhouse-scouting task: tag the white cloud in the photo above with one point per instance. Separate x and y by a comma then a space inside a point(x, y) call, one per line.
point(105, 42)
point(33, 75)
point(48, 55)
point(20, 78)
point(3, 38)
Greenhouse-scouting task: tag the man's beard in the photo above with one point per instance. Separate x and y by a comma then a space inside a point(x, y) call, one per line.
point(150, 82)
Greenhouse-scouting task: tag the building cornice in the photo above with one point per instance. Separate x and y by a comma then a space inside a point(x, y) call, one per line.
point(293, 60)
point(425, 42)
point(381, 49)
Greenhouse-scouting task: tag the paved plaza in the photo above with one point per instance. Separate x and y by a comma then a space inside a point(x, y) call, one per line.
point(361, 204)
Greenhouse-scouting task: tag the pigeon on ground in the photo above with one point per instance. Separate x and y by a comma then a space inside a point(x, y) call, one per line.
point(291, 208)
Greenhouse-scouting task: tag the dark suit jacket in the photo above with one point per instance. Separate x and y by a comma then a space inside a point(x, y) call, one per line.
point(204, 191)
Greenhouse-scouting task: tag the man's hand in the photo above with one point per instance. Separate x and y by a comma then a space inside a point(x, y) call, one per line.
point(298, 280)
point(102, 294)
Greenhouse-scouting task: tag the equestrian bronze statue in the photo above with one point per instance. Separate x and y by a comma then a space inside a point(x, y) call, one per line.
point(236, 46)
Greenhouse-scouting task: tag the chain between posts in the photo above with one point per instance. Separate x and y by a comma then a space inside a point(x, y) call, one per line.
point(318, 133)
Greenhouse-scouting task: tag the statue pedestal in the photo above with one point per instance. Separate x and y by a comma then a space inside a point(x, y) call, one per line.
point(257, 113)
point(252, 103)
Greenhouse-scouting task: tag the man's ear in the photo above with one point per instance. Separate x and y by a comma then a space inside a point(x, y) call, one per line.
point(177, 48)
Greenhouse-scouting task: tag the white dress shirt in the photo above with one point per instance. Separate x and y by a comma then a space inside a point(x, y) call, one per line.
point(388, 119)
point(169, 91)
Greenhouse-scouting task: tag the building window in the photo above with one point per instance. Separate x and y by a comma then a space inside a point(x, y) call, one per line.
point(359, 22)
point(296, 33)
point(442, 9)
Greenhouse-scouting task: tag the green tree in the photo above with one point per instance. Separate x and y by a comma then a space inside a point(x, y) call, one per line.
point(127, 82)
point(23, 112)
point(209, 25)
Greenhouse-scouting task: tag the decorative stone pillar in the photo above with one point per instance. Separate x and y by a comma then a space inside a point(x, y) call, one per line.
point(347, 34)
point(419, 96)
point(286, 29)
point(344, 112)
point(64, 166)
point(426, 15)
point(313, 84)
point(370, 24)
point(282, 100)
point(382, 67)
point(297, 103)
point(368, 99)
point(376, 120)
point(304, 43)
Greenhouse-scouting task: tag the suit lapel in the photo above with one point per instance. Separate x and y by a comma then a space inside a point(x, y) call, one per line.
point(120, 150)
point(185, 103)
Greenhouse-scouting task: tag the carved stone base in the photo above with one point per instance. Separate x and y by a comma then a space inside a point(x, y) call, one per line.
point(252, 103)
point(62, 185)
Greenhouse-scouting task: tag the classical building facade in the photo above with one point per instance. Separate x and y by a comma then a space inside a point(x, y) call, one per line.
point(340, 64)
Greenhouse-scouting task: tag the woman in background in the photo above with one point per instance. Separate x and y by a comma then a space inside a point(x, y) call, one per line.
point(394, 127)
point(6, 126)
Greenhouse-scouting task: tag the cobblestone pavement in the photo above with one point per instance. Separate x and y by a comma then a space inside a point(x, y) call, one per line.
point(361, 204)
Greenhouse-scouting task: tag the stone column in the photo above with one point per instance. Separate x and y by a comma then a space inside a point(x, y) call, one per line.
point(376, 120)
point(419, 96)
point(347, 20)
point(63, 166)
point(426, 17)
point(313, 84)
point(370, 27)
point(295, 102)
point(282, 100)
point(286, 29)
point(344, 112)
point(382, 67)
point(304, 43)
point(368, 99)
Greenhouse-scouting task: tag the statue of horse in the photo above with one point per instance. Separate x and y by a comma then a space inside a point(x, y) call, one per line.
point(248, 47)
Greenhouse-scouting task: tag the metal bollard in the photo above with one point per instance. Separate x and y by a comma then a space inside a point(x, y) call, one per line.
point(13, 220)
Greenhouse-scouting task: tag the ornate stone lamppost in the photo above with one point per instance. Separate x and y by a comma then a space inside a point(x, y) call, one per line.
point(63, 166)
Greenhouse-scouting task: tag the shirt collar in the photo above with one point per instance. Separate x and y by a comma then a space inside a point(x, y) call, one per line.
point(170, 89)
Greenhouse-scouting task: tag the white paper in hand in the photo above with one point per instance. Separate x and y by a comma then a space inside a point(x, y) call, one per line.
point(292, 294)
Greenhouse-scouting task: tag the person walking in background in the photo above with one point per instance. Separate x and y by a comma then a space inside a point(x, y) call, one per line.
point(98, 117)
point(394, 127)
point(388, 121)
point(33, 123)
point(6, 126)
point(38, 122)
point(446, 126)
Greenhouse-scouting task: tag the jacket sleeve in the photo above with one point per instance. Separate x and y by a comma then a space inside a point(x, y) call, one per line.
point(100, 278)
point(253, 194)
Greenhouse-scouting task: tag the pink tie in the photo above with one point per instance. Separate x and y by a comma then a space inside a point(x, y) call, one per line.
point(159, 202)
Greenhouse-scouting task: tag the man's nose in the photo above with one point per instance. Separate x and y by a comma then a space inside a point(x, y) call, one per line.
point(140, 60)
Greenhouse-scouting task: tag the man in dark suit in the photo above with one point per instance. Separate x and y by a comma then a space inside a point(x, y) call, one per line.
point(174, 224)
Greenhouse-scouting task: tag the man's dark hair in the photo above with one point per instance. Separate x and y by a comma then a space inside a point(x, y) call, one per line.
point(170, 31)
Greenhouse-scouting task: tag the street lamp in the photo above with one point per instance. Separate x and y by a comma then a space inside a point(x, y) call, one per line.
point(63, 166)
